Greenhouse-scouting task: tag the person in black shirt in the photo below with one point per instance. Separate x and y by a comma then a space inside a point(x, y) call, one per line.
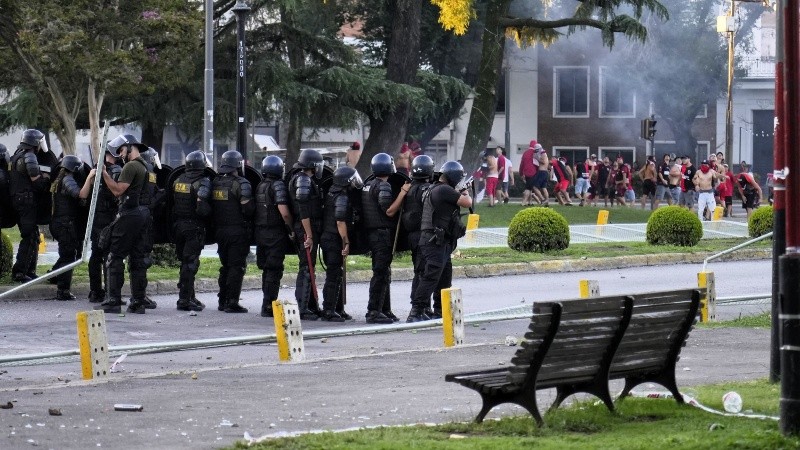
point(688, 194)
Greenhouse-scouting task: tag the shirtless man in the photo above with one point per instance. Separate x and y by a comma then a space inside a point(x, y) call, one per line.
point(542, 177)
point(703, 182)
point(353, 154)
point(675, 181)
point(491, 176)
point(648, 175)
point(402, 161)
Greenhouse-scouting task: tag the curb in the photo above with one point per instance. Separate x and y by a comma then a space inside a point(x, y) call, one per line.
point(253, 282)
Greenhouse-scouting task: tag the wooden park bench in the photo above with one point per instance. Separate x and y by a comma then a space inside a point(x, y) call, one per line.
point(569, 347)
point(579, 345)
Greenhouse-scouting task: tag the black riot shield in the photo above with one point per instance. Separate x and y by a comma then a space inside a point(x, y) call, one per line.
point(170, 202)
point(158, 207)
point(48, 163)
point(8, 216)
point(254, 177)
point(397, 180)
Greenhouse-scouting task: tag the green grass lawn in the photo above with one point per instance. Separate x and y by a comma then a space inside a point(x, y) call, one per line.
point(501, 215)
point(637, 424)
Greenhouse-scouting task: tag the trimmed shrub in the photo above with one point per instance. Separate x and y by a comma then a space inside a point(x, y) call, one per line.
point(6, 255)
point(538, 230)
point(673, 225)
point(164, 256)
point(760, 222)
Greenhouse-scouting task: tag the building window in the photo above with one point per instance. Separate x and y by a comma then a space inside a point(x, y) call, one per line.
point(573, 154)
point(616, 99)
point(571, 92)
point(703, 114)
point(628, 154)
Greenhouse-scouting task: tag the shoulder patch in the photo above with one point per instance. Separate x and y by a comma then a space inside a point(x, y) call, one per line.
point(220, 194)
point(182, 188)
point(151, 177)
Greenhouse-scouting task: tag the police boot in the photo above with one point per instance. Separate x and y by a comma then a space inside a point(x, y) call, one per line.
point(378, 317)
point(417, 315)
point(21, 278)
point(344, 315)
point(197, 303)
point(308, 315)
point(149, 303)
point(111, 305)
point(96, 296)
point(64, 294)
point(266, 309)
point(233, 306)
point(433, 314)
point(331, 316)
point(136, 307)
point(187, 305)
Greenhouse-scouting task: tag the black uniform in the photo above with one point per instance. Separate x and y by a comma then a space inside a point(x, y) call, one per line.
point(25, 166)
point(5, 190)
point(233, 207)
point(104, 213)
point(376, 198)
point(65, 227)
point(306, 199)
point(191, 194)
point(412, 221)
point(127, 241)
point(337, 209)
point(272, 238)
point(441, 227)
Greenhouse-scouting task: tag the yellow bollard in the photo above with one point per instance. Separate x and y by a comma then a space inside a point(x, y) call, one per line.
point(589, 288)
point(717, 215)
point(42, 244)
point(708, 304)
point(93, 344)
point(602, 217)
point(452, 317)
point(288, 331)
point(472, 221)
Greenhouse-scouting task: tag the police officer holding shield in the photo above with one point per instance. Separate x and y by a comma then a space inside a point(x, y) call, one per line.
point(306, 199)
point(27, 180)
point(335, 240)
point(421, 173)
point(379, 210)
point(5, 185)
point(440, 229)
point(126, 233)
point(191, 194)
point(68, 198)
point(233, 207)
point(104, 213)
point(273, 228)
point(152, 197)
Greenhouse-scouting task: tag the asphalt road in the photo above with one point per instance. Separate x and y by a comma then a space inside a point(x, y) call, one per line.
point(193, 399)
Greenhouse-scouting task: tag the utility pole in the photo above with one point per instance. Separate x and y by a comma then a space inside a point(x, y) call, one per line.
point(507, 88)
point(731, 29)
point(208, 84)
point(779, 203)
point(241, 9)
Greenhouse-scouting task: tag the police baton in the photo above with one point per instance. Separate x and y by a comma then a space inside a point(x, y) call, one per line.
point(397, 228)
point(343, 289)
point(311, 274)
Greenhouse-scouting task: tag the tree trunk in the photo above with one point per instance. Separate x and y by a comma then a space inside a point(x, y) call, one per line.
point(153, 134)
point(95, 103)
point(66, 118)
point(481, 116)
point(387, 133)
point(294, 127)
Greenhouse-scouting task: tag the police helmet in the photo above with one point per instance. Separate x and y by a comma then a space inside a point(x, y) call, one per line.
point(151, 156)
point(382, 165)
point(124, 139)
point(230, 161)
point(453, 172)
point(34, 138)
point(3, 156)
point(72, 163)
point(310, 159)
point(272, 167)
point(347, 176)
point(196, 160)
point(422, 167)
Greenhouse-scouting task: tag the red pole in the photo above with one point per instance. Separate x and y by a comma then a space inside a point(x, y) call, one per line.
point(791, 81)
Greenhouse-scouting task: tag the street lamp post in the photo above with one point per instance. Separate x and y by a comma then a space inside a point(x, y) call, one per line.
point(208, 83)
point(729, 109)
point(241, 9)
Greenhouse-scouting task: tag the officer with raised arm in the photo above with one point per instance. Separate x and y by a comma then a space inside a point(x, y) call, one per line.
point(273, 228)
point(233, 208)
point(191, 198)
point(104, 213)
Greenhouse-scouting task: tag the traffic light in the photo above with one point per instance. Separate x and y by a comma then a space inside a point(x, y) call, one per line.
point(648, 129)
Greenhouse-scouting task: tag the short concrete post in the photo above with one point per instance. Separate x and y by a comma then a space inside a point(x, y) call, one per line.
point(589, 288)
point(602, 217)
point(288, 331)
point(452, 317)
point(708, 303)
point(93, 344)
point(717, 215)
point(472, 221)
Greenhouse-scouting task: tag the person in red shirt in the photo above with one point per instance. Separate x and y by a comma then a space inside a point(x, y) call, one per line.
point(726, 191)
point(528, 166)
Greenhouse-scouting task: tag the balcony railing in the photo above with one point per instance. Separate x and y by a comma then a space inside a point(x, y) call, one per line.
point(758, 67)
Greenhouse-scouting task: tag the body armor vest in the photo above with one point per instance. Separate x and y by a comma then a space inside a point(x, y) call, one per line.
point(226, 197)
point(150, 188)
point(184, 196)
point(337, 207)
point(65, 198)
point(107, 204)
point(313, 204)
point(267, 214)
point(20, 179)
point(440, 217)
point(412, 206)
point(374, 216)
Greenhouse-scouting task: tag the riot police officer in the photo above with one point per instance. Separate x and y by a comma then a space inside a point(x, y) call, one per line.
point(440, 229)
point(335, 241)
point(379, 209)
point(306, 199)
point(104, 213)
point(5, 186)
point(233, 208)
point(68, 196)
point(27, 180)
point(421, 176)
point(153, 197)
point(126, 233)
point(191, 194)
point(273, 229)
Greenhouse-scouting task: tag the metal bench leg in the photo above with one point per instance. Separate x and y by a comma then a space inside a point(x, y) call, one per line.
point(561, 394)
point(488, 404)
